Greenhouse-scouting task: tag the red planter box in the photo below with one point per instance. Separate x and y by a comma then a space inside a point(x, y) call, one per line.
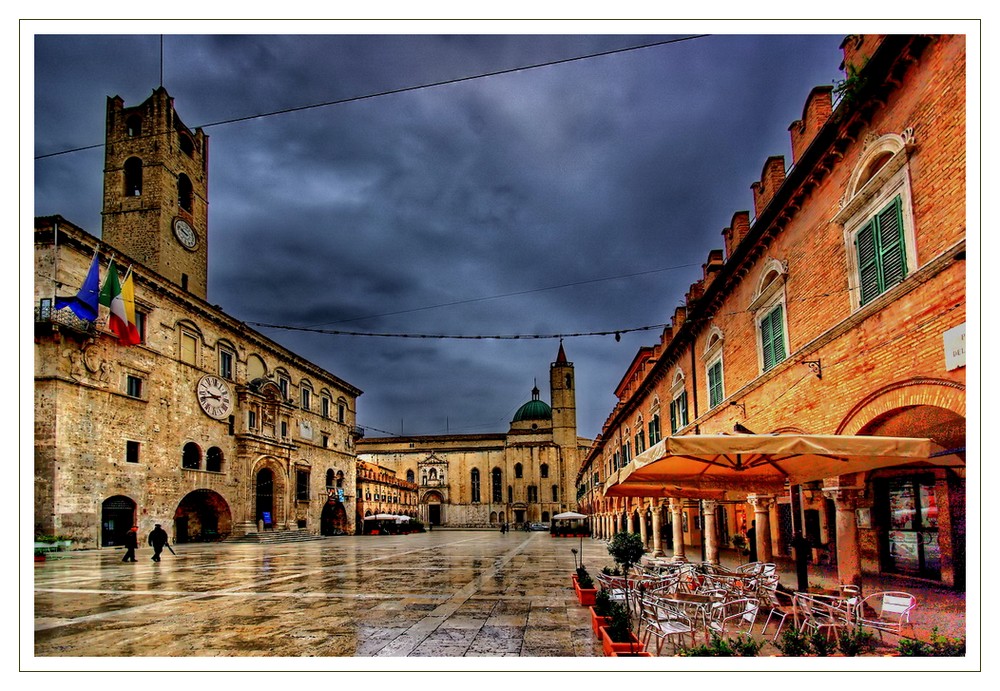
point(586, 596)
point(610, 647)
point(597, 621)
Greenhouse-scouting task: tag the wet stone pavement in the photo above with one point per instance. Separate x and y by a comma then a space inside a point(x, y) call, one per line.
point(444, 594)
point(439, 594)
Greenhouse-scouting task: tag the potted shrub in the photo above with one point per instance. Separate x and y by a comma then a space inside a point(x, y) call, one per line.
point(937, 646)
point(39, 554)
point(583, 584)
point(600, 611)
point(616, 636)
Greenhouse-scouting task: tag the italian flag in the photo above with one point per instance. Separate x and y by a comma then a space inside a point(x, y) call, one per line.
point(119, 297)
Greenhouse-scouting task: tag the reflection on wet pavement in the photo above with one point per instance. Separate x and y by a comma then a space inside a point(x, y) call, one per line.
point(438, 594)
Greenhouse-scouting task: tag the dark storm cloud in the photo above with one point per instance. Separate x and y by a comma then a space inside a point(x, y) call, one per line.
point(411, 212)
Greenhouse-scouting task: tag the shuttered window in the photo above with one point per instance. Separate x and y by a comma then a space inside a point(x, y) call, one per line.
point(715, 393)
point(881, 252)
point(772, 338)
point(678, 413)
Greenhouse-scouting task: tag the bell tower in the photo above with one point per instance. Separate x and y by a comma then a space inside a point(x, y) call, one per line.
point(563, 391)
point(156, 190)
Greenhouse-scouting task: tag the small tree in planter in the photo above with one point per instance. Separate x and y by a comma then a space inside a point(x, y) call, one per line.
point(617, 633)
point(600, 611)
point(626, 549)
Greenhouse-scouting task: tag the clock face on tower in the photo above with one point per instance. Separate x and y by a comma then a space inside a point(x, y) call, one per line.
point(185, 233)
point(214, 397)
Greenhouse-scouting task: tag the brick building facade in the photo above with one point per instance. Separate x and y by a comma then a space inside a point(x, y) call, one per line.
point(838, 309)
point(205, 426)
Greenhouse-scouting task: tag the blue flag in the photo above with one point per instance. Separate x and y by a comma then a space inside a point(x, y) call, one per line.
point(84, 303)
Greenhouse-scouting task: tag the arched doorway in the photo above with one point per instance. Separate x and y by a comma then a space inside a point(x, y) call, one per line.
point(918, 514)
point(333, 519)
point(265, 498)
point(435, 512)
point(117, 516)
point(202, 516)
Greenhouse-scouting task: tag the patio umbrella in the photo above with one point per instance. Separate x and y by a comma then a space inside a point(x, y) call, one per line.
point(569, 515)
point(764, 463)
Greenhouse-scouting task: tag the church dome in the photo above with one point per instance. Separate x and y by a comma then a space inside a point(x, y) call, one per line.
point(535, 409)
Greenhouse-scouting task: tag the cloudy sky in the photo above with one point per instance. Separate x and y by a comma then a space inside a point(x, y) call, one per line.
point(578, 197)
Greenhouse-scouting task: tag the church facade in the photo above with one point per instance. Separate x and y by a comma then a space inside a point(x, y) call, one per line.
point(199, 423)
point(523, 476)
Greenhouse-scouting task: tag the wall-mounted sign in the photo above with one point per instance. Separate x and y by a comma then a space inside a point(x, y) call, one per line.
point(954, 348)
point(267, 518)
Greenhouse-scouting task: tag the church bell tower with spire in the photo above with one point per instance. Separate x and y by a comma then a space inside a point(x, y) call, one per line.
point(156, 190)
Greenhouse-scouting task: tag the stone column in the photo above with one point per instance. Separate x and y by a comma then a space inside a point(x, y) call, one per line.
point(630, 518)
point(643, 533)
point(657, 527)
point(711, 533)
point(676, 507)
point(845, 500)
point(762, 514)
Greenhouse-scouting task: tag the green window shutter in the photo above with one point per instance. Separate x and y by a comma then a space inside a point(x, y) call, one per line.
point(684, 409)
point(715, 395)
point(766, 343)
point(673, 416)
point(881, 248)
point(868, 272)
point(892, 246)
point(778, 333)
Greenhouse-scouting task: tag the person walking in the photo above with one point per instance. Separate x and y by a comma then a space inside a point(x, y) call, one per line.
point(157, 539)
point(131, 543)
point(803, 550)
point(752, 540)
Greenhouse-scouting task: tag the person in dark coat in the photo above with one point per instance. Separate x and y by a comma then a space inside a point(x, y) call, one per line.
point(752, 540)
point(803, 550)
point(157, 539)
point(131, 543)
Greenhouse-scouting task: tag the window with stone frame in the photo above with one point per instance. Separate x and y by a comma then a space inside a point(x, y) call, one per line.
point(302, 485)
point(678, 403)
point(475, 486)
point(189, 347)
point(227, 360)
point(532, 493)
point(712, 357)
point(770, 318)
point(877, 217)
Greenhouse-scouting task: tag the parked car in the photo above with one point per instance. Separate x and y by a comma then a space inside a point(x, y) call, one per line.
point(539, 526)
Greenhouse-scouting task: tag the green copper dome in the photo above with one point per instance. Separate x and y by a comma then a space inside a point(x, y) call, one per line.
point(535, 409)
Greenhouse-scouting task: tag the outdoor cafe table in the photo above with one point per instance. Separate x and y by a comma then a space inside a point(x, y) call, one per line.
point(696, 605)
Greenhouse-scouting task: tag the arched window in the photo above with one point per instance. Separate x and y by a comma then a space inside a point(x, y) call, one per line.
point(329, 478)
point(186, 143)
point(475, 486)
point(133, 126)
point(213, 460)
point(410, 476)
point(133, 177)
point(877, 218)
point(713, 367)
point(185, 193)
point(192, 456)
point(678, 403)
point(543, 470)
point(497, 485)
point(518, 470)
point(340, 478)
point(768, 307)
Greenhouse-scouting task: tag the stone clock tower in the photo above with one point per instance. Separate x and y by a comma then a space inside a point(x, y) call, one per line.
point(156, 190)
